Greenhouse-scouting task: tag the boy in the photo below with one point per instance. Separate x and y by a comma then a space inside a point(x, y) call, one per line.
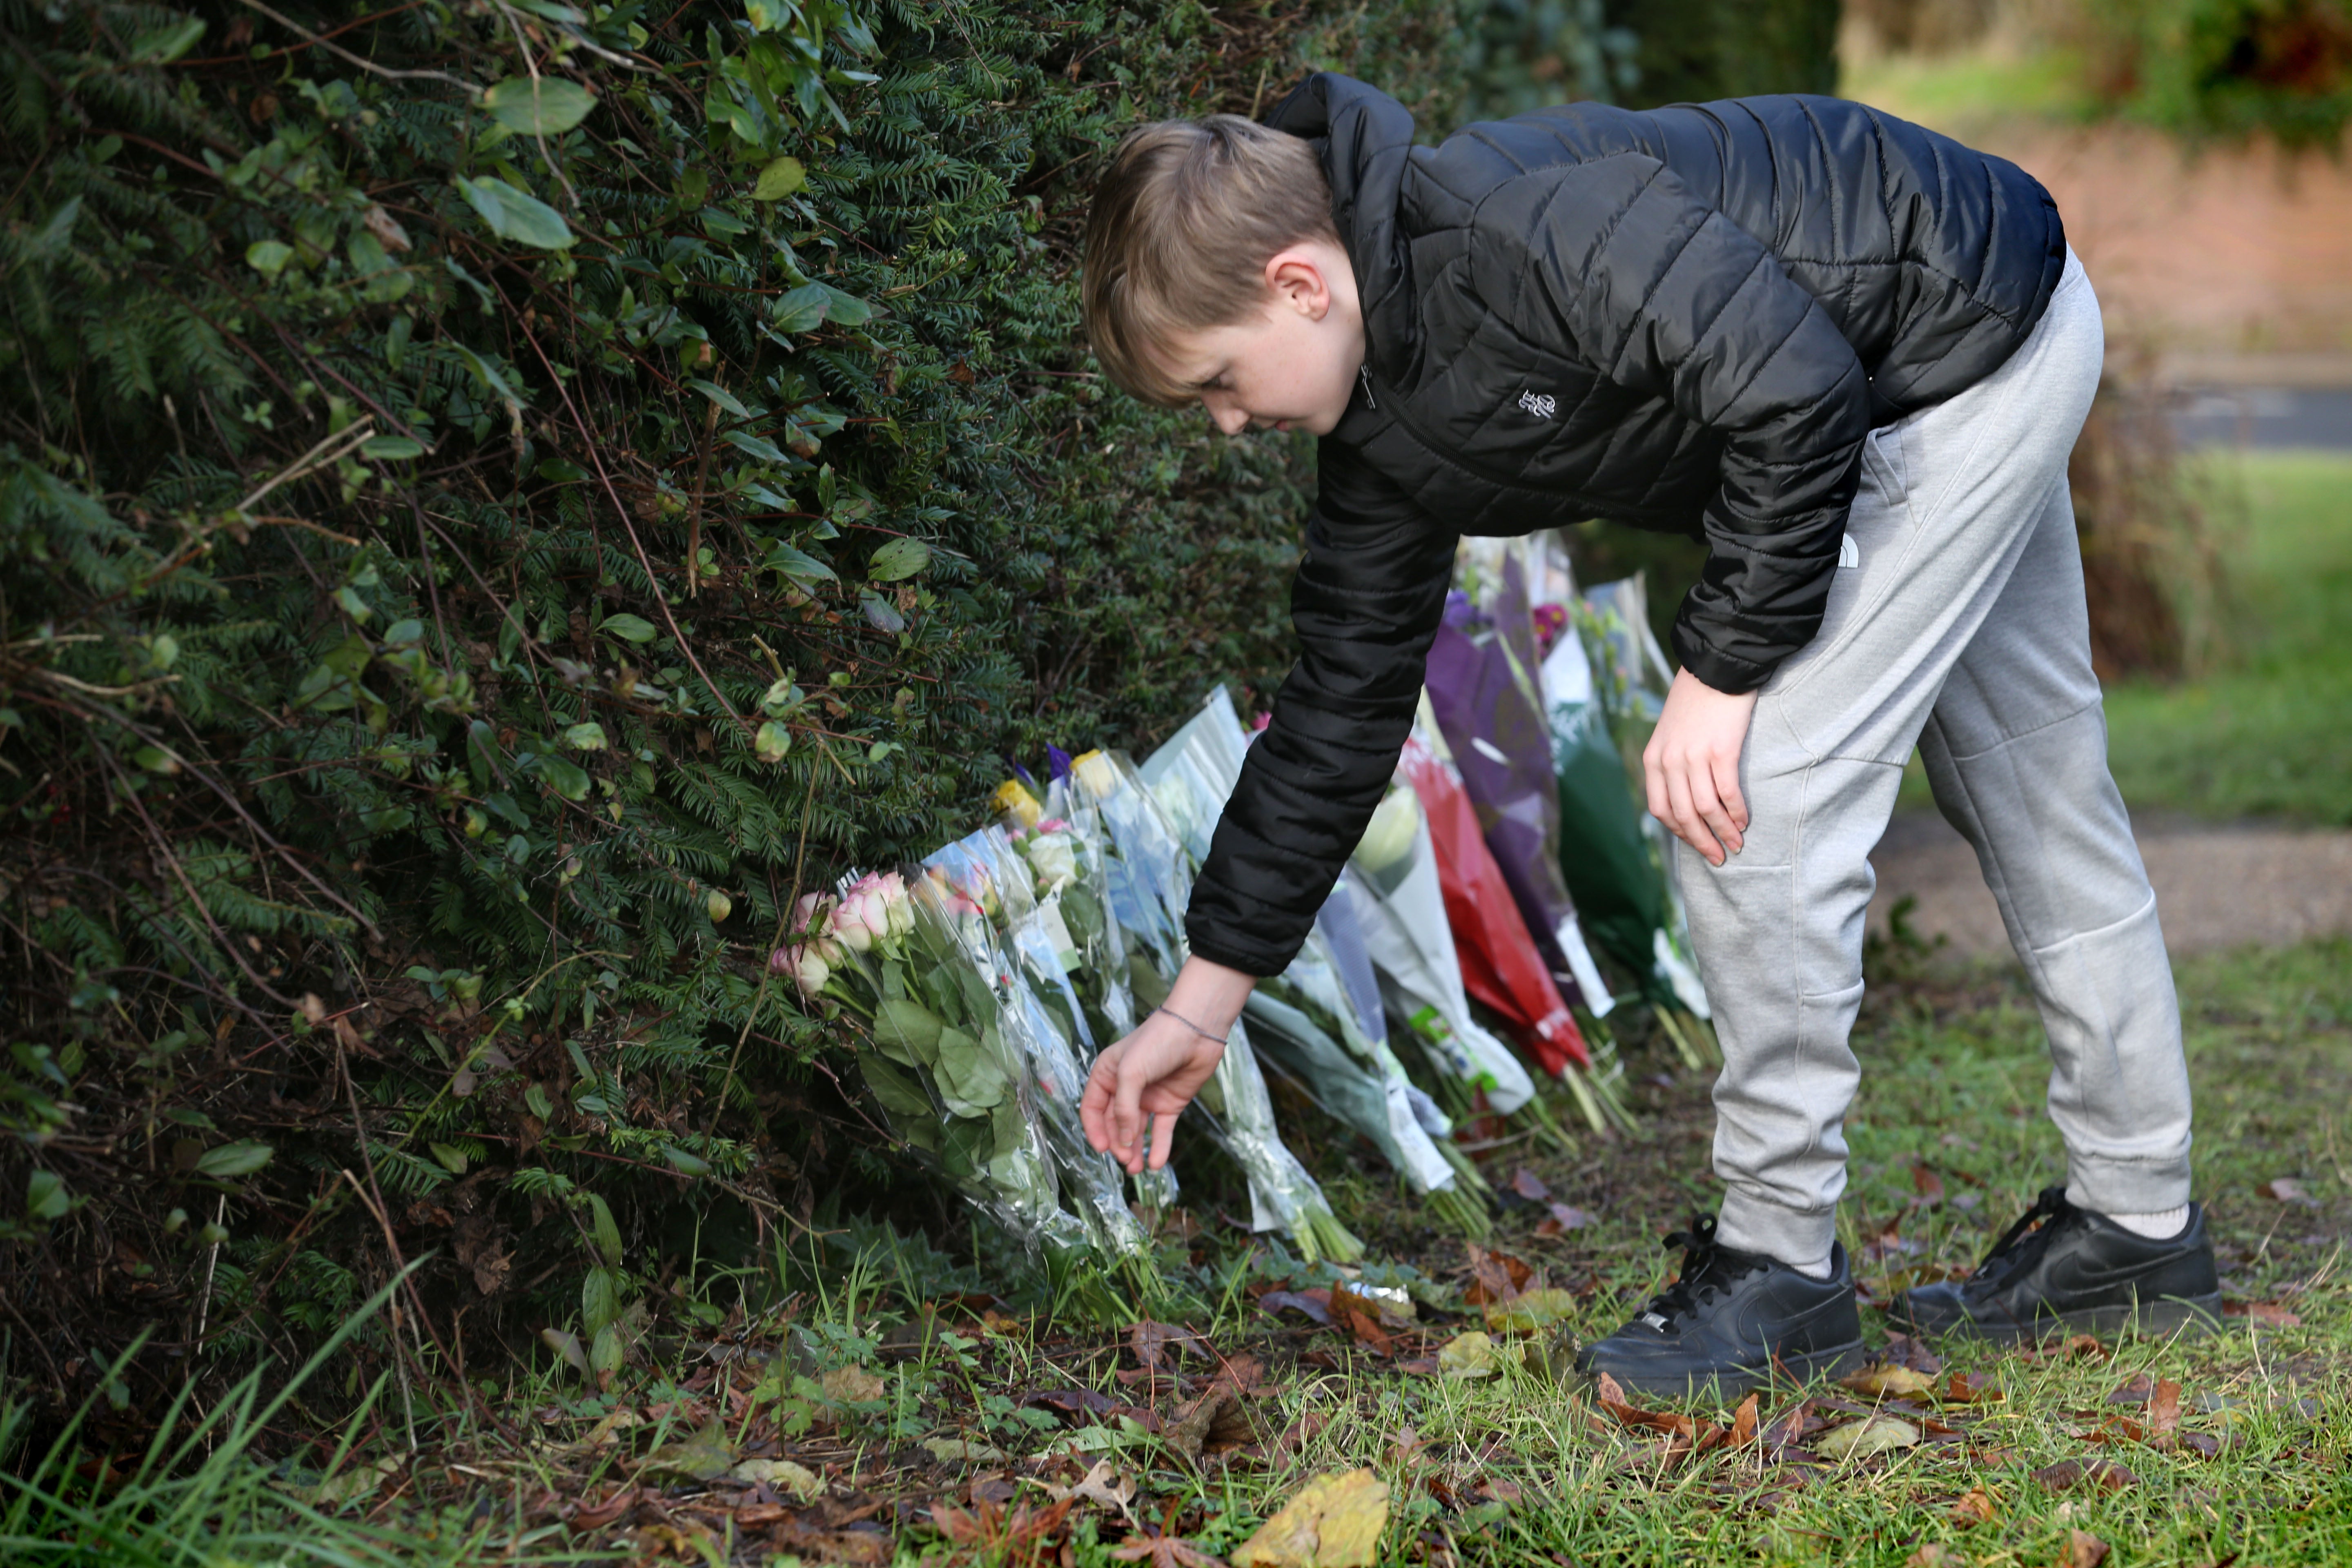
point(1852, 356)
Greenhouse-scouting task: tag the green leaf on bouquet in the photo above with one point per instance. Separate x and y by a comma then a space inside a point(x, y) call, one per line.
point(900, 1093)
point(970, 1080)
point(907, 1031)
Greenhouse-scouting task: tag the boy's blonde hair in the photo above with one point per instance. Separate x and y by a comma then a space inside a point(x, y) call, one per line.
point(1183, 223)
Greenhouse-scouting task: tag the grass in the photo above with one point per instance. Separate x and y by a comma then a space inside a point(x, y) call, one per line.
point(934, 1428)
point(1969, 92)
point(2268, 732)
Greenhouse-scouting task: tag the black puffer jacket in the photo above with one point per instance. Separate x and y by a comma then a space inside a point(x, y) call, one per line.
point(1687, 318)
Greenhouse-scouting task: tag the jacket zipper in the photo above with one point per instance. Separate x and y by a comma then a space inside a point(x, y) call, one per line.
point(1364, 374)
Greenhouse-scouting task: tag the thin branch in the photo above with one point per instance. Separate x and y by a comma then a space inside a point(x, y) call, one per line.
point(363, 62)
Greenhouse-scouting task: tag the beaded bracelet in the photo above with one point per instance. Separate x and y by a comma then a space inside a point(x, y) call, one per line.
point(1194, 1027)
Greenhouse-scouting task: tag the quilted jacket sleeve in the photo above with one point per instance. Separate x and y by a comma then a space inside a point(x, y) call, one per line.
point(1369, 596)
point(1672, 300)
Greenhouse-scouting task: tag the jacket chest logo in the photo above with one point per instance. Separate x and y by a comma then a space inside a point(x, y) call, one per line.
point(1542, 404)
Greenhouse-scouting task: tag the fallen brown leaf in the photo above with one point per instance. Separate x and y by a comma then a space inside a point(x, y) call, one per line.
point(2287, 1190)
point(1611, 1396)
point(1786, 1427)
point(2134, 1390)
point(1494, 1275)
point(1902, 1349)
point(1164, 1552)
point(2083, 1549)
point(1930, 1185)
point(1365, 1328)
point(1529, 1185)
point(1314, 1304)
point(597, 1515)
point(2163, 1409)
point(1964, 1389)
point(1013, 1534)
point(1564, 1218)
point(1974, 1506)
point(1934, 1554)
point(1103, 1485)
point(1153, 1343)
point(1743, 1423)
point(2270, 1312)
point(2103, 1475)
point(1212, 1423)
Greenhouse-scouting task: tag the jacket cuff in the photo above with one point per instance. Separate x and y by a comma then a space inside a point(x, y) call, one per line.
point(1254, 964)
point(1720, 672)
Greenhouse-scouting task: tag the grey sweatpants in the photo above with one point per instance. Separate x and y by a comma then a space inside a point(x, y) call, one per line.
point(1955, 623)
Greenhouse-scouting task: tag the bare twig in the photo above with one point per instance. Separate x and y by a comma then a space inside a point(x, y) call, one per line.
point(364, 64)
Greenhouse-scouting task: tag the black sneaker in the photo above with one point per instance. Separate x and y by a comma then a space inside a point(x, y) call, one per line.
point(1733, 1320)
point(2073, 1271)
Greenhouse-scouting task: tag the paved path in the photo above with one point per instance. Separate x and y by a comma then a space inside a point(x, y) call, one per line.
point(2217, 886)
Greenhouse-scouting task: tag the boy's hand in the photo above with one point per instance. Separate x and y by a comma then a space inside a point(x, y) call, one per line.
point(1691, 766)
point(1147, 1079)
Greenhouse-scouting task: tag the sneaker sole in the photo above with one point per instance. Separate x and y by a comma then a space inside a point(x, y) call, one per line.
point(1727, 1380)
point(2170, 1315)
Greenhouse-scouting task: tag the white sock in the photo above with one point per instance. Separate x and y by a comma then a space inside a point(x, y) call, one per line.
point(1819, 1269)
point(2160, 1226)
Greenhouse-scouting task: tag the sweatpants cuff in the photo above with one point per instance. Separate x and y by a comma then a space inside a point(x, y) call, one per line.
point(1797, 1237)
point(2126, 1186)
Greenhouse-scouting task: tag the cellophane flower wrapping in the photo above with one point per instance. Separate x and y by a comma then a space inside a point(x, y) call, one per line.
point(1071, 942)
point(1150, 881)
point(1485, 692)
point(1609, 856)
point(1005, 934)
point(937, 1056)
point(1304, 1019)
point(1501, 968)
point(1400, 908)
point(1608, 657)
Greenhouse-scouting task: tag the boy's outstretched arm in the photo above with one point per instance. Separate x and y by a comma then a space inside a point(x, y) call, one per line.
point(1147, 1079)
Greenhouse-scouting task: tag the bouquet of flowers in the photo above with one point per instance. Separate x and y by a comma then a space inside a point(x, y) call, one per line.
point(1610, 853)
point(1149, 884)
point(1305, 1020)
point(1486, 695)
point(1500, 967)
point(1400, 908)
point(1060, 844)
point(1007, 938)
point(935, 1054)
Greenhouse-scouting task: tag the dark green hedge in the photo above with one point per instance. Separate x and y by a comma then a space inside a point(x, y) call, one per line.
point(470, 551)
point(493, 502)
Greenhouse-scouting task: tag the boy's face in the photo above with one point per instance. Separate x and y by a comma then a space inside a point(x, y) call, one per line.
point(1292, 367)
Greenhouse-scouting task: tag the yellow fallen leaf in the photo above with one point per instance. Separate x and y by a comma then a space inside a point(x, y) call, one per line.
point(851, 1385)
point(1472, 1355)
point(1874, 1435)
point(1530, 1311)
point(783, 1477)
point(1888, 1381)
point(1335, 1521)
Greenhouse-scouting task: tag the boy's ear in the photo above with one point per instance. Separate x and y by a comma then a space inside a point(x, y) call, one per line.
point(1300, 281)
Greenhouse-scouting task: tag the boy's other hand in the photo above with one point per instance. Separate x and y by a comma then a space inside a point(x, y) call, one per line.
point(1145, 1081)
point(1691, 766)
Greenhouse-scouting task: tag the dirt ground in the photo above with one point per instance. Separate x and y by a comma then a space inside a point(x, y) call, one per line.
point(2217, 884)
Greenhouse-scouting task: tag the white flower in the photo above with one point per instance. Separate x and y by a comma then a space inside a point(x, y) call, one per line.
point(1055, 857)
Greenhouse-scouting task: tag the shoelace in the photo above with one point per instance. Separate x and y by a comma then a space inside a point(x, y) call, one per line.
point(1704, 1259)
point(2023, 1245)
